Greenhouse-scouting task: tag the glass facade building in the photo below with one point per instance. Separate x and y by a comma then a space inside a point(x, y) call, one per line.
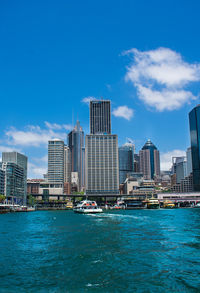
point(126, 161)
point(76, 144)
point(2, 181)
point(194, 120)
point(67, 164)
point(14, 183)
point(21, 161)
point(100, 121)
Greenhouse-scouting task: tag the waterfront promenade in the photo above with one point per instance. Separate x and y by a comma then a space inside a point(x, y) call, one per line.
point(120, 251)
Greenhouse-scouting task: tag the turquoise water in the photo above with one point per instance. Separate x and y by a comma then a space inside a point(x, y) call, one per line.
point(120, 251)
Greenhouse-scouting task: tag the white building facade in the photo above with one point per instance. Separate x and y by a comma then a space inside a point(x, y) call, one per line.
point(102, 167)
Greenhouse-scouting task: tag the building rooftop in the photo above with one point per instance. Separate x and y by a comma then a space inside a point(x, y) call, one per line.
point(149, 145)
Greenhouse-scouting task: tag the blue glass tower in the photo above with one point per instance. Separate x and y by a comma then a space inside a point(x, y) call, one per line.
point(126, 161)
point(76, 144)
point(194, 119)
point(150, 161)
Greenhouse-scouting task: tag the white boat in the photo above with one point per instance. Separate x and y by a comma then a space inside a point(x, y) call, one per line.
point(30, 209)
point(87, 207)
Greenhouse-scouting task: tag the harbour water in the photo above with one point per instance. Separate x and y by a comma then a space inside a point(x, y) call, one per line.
point(119, 251)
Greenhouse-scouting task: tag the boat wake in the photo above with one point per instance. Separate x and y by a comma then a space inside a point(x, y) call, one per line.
point(117, 216)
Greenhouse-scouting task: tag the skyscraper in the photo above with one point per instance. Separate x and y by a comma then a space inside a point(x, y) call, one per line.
point(150, 161)
point(76, 144)
point(126, 161)
point(194, 120)
point(189, 161)
point(100, 122)
point(67, 164)
point(20, 161)
point(101, 152)
point(56, 161)
point(102, 171)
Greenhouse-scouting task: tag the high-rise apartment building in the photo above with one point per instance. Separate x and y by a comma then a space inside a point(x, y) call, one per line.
point(56, 162)
point(150, 161)
point(194, 120)
point(100, 117)
point(21, 161)
point(101, 152)
point(126, 161)
point(76, 144)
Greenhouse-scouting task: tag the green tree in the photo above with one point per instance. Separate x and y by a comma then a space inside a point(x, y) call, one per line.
point(31, 200)
point(2, 198)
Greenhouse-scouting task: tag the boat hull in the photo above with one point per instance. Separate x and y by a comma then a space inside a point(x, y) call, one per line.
point(88, 211)
point(153, 206)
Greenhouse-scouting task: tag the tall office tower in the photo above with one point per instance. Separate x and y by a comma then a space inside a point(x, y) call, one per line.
point(76, 143)
point(2, 181)
point(83, 170)
point(189, 161)
point(21, 161)
point(101, 152)
point(102, 168)
point(100, 121)
point(56, 162)
point(67, 164)
point(194, 120)
point(150, 161)
point(126, 161)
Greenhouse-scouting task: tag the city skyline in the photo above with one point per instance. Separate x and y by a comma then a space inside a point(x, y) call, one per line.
point(57, 131)
point(53, 61)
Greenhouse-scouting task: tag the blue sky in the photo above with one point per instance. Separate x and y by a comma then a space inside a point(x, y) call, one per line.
point(142, 55)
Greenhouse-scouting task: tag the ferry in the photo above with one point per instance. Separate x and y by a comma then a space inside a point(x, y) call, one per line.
point(153, 203)
point(168, 204)
point(87, 207)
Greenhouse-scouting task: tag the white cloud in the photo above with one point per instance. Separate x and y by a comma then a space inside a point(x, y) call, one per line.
point(87, 100)
point(43, 159)
point(166, 158)
point(8, 149)
point(56, 126)
point(164, 99)
point(35, 171)
point(160, 77)
point(32, 136)
point(124, 112)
